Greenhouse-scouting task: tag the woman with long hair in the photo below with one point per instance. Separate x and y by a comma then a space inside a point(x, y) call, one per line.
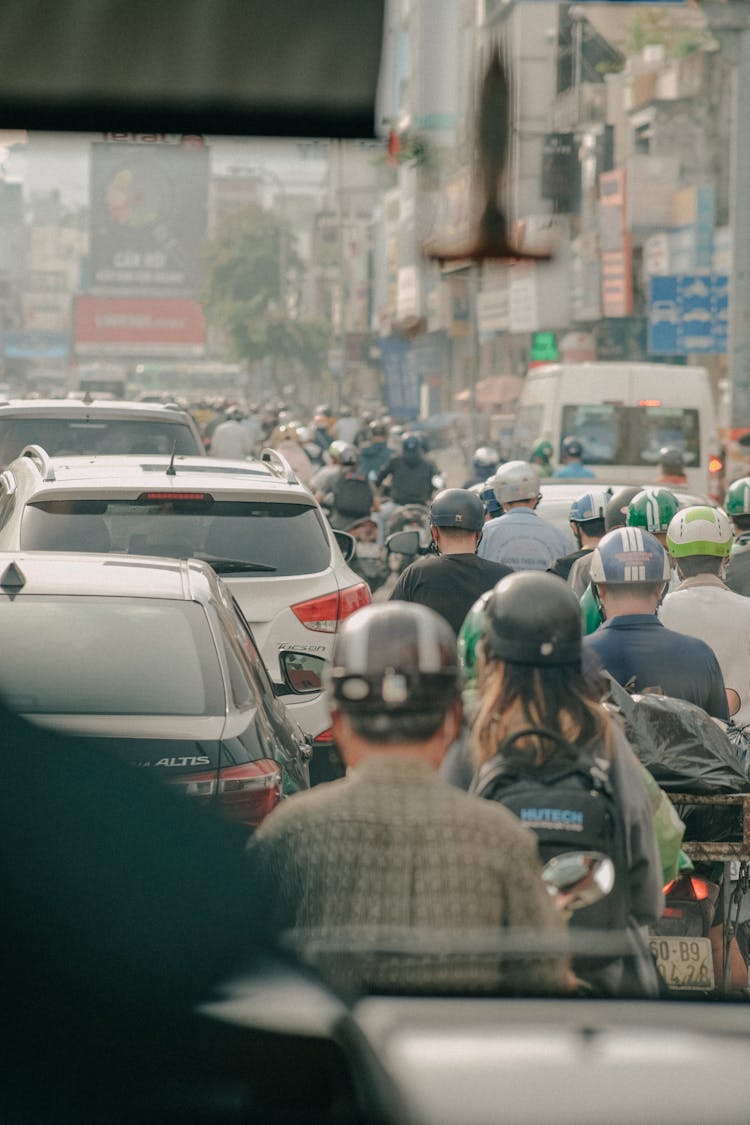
point(541, 728)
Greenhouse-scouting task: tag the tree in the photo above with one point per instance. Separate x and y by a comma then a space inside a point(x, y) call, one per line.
point(244, 291)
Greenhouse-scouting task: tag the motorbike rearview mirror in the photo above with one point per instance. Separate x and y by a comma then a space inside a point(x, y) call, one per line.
point(578, 879)
point(347, 544)
point(403, 543)
point(302, 672)
point(733, 701)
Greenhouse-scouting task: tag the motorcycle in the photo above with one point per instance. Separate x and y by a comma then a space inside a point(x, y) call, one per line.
point(407, 535)
point(370, 559)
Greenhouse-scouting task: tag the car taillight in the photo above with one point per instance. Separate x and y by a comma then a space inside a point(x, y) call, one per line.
point(324, 736)
point(323, 615)
point(689, 887)
point(245, 793)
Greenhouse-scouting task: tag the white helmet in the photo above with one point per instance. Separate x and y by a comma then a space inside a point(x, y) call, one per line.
point(699, 531)
point(515, 480)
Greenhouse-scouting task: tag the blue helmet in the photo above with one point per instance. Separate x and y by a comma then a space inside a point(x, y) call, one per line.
point(591, 506)
point(629, 554)
point(488, 498)
point(572, 447)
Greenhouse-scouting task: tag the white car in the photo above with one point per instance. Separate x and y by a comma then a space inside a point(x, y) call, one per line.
point(257, 526)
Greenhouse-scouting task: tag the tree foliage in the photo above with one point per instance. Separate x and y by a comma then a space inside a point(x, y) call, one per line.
point(244, 295)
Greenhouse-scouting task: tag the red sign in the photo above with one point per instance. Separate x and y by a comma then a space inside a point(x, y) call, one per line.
point(139, 326)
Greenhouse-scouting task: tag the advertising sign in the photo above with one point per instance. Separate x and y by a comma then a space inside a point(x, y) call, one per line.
point(688, 314)
point(148, 215)
point(401, 377)
point(138, 326)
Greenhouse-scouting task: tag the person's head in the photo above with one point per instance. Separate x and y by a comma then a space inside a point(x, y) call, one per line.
point(629, 572)
point(456, 521)
point(411, 448)
point(616, 512)
point(516, 483)
point(572, 449)
point(587, 516)
point(541, 453)
point(529, 666)
point(395, 683)
point(699, 540)
point(335, 450)
point(485, 461)
point(348, 456)
point(737, 503)
point(288, 432)
point(378, 431)
point(653, 510)
point(671, 462)
point(234, 413)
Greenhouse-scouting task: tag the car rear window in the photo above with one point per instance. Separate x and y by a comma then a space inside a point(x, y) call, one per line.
point(280, 538)
point(108, 656)
point(62, 437)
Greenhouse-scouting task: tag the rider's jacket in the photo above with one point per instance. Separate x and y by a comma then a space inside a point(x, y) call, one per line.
point(737, 575)
point(411, 479)
point(522, 540)
point(705, 607)
point(450, 584)
point(373, 456)
point(636, 648)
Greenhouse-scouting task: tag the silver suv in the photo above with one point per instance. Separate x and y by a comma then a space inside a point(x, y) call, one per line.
point(257, 526)
point(75, 426)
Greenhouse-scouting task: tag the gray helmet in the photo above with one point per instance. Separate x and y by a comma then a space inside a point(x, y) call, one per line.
point(457, 507)
point(395, 658)
point(516, 480)
point(533, 618)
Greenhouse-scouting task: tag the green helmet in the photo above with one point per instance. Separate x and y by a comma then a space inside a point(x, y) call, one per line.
point(699, 531)
point(653, 509)
point(543, 449)
point(468, 639)
point(737, 499)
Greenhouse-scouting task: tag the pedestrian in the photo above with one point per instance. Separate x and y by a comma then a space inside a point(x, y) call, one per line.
point(542, 731)
point(521, 538)
point(629, 572)
point(572, 457)
point(391, 859)
point(699, 540)
point(451, 581)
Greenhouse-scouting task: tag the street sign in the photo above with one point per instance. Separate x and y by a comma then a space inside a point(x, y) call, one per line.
point(688, 314)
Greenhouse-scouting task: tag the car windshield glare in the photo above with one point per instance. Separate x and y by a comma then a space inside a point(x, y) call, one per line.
point(109, 656)
point(288, 538)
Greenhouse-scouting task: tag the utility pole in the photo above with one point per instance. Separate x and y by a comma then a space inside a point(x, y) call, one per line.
point(730, 23)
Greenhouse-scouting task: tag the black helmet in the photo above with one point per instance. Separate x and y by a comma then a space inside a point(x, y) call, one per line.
point(393, 659)
point(671, 460)
point(457, 507)
point(616, 512)
point(533, 618)
point(411, 443)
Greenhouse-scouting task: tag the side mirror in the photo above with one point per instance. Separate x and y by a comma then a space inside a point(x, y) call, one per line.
point(578, 879)
point(347, 544)
point(403, 543)
point(302, 673)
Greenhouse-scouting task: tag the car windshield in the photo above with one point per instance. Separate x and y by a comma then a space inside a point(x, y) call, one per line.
point(285, 539)
point(544, 237)
point(109, 656)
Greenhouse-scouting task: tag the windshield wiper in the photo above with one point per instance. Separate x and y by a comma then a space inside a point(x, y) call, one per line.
point(234, 566)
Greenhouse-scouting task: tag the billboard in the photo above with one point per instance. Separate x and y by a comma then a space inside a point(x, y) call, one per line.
point(688, 314)
point(149, 208)
point(135, 326)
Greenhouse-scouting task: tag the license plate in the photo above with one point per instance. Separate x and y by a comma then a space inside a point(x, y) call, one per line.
point(684, 962)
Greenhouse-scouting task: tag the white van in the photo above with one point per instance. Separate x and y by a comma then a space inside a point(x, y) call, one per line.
point(624, 414)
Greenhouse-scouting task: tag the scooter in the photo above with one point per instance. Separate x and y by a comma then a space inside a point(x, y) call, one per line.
point(370, 560)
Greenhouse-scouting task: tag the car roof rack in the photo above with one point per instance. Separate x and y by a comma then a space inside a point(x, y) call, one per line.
point(41, 459)
point(279, 465)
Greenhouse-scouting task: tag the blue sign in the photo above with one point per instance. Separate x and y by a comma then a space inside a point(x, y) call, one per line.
point(401, 377)
point(35, 345)
point(688, 314)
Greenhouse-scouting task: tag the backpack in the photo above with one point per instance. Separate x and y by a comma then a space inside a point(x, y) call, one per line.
point(571, 806)
point(352, 495)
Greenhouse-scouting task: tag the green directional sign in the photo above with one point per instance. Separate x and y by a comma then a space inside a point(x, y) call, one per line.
point(544, 348)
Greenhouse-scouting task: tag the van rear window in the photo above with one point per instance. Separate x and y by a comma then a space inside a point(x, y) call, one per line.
point(631, 435)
